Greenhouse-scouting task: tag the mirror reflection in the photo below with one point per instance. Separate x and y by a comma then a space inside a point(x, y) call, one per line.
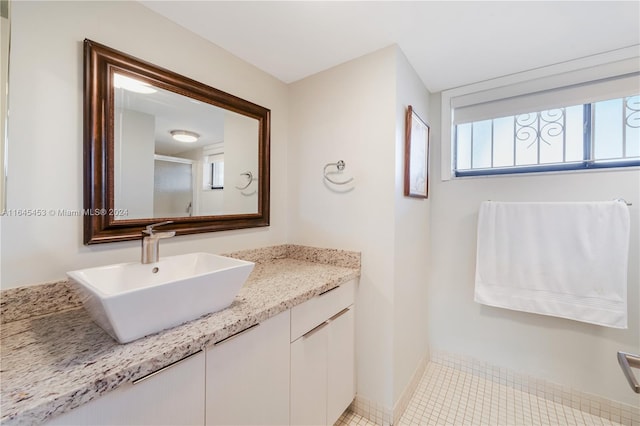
point(160, 146)
point(175, 156)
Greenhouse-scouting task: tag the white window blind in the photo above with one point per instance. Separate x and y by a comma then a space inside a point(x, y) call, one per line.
point(578, 94)
point(559, 89)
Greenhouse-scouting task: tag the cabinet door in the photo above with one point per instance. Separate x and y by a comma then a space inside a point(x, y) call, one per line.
point(341, 364)
point(173, 396)
point(309, 378)
point(248, 376)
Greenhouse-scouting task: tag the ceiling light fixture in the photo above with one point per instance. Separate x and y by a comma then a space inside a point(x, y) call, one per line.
point(184, 136)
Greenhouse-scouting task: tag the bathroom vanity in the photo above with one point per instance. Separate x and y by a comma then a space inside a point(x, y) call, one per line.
point(282, 353)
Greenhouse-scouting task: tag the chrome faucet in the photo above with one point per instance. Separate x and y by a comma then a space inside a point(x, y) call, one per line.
point(151, 242)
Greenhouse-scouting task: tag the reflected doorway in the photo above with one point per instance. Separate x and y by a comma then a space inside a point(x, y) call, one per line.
point(172, 187)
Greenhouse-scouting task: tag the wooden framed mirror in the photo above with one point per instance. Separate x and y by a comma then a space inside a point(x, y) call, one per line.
point(159, 146)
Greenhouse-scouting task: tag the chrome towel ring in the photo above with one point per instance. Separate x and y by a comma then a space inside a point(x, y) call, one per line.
point(340, 166)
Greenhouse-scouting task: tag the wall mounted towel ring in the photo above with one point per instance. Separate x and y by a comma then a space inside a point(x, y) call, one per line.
point(249, 177)
point(340, 166)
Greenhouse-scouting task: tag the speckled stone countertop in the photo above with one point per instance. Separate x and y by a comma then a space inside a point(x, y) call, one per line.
point(56, 358)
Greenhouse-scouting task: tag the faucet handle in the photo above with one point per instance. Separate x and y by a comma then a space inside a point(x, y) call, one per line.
point(149, 229)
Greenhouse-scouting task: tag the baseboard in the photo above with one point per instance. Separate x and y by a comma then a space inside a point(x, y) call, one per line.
point(387, 416)
point(592, 404)
point(405, 398)
point(598, 406)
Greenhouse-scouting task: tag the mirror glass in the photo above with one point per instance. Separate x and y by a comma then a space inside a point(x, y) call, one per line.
point(173, 155)
point(160, 146)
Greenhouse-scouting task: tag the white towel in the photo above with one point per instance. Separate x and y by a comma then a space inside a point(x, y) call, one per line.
point(563, 259)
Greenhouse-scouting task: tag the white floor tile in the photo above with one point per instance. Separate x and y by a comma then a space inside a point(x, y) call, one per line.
point(446, 396)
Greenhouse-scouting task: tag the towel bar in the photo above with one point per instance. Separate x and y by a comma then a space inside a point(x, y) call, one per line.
point(627, 361)
point(340, 165)
point(622, 200)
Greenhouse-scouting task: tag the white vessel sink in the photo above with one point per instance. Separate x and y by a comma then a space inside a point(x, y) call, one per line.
point(132, 300)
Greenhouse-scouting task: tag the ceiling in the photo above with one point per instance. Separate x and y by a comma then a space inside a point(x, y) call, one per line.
point(449, 43)
point(173, 111)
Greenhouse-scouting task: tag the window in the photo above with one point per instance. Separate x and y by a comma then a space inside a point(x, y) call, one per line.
point(213, 171)
point(599, 134)
point(217, 175)
point(577, 115)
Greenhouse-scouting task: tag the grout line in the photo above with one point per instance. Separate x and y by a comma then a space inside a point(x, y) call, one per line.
point(449, 396)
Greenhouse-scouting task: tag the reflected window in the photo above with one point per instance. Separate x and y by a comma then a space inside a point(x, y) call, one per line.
point(214, 172)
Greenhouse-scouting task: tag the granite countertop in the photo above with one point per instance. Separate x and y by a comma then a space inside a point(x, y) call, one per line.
point(53, 362)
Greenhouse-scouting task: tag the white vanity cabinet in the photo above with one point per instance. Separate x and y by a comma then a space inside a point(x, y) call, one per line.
point(341, 374)
point(173, 395)
point(248, 376)
point(295, 368)
point(322, 357)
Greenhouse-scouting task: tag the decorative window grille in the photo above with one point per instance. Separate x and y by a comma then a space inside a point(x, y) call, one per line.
point(578, 115)
point(590, 135)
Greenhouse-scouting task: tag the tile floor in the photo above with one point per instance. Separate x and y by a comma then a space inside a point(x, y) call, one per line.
point(446, 396)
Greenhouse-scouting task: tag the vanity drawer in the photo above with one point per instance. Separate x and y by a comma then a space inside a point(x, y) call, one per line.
point(308, 315)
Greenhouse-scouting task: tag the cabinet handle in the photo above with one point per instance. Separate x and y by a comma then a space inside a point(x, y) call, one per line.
point(166, 367)
point(313, 330)
point(342, 312)
point(236, 334)
point(327, 291)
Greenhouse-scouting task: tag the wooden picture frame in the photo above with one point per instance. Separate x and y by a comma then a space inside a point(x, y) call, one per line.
point(416, 156)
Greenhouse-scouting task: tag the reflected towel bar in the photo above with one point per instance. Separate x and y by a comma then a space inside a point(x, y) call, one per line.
point(250, 179)
point(627, 361)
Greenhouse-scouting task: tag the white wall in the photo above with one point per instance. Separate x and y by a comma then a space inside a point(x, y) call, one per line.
point(134, 148)
point(348, 113)
point(4, 69)
point(240, 156)
point(567, 352)
point(355, 112)
point(45, 136)
point(411, 245)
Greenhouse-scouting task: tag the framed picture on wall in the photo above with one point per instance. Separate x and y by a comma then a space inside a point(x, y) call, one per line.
point(416, 156)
